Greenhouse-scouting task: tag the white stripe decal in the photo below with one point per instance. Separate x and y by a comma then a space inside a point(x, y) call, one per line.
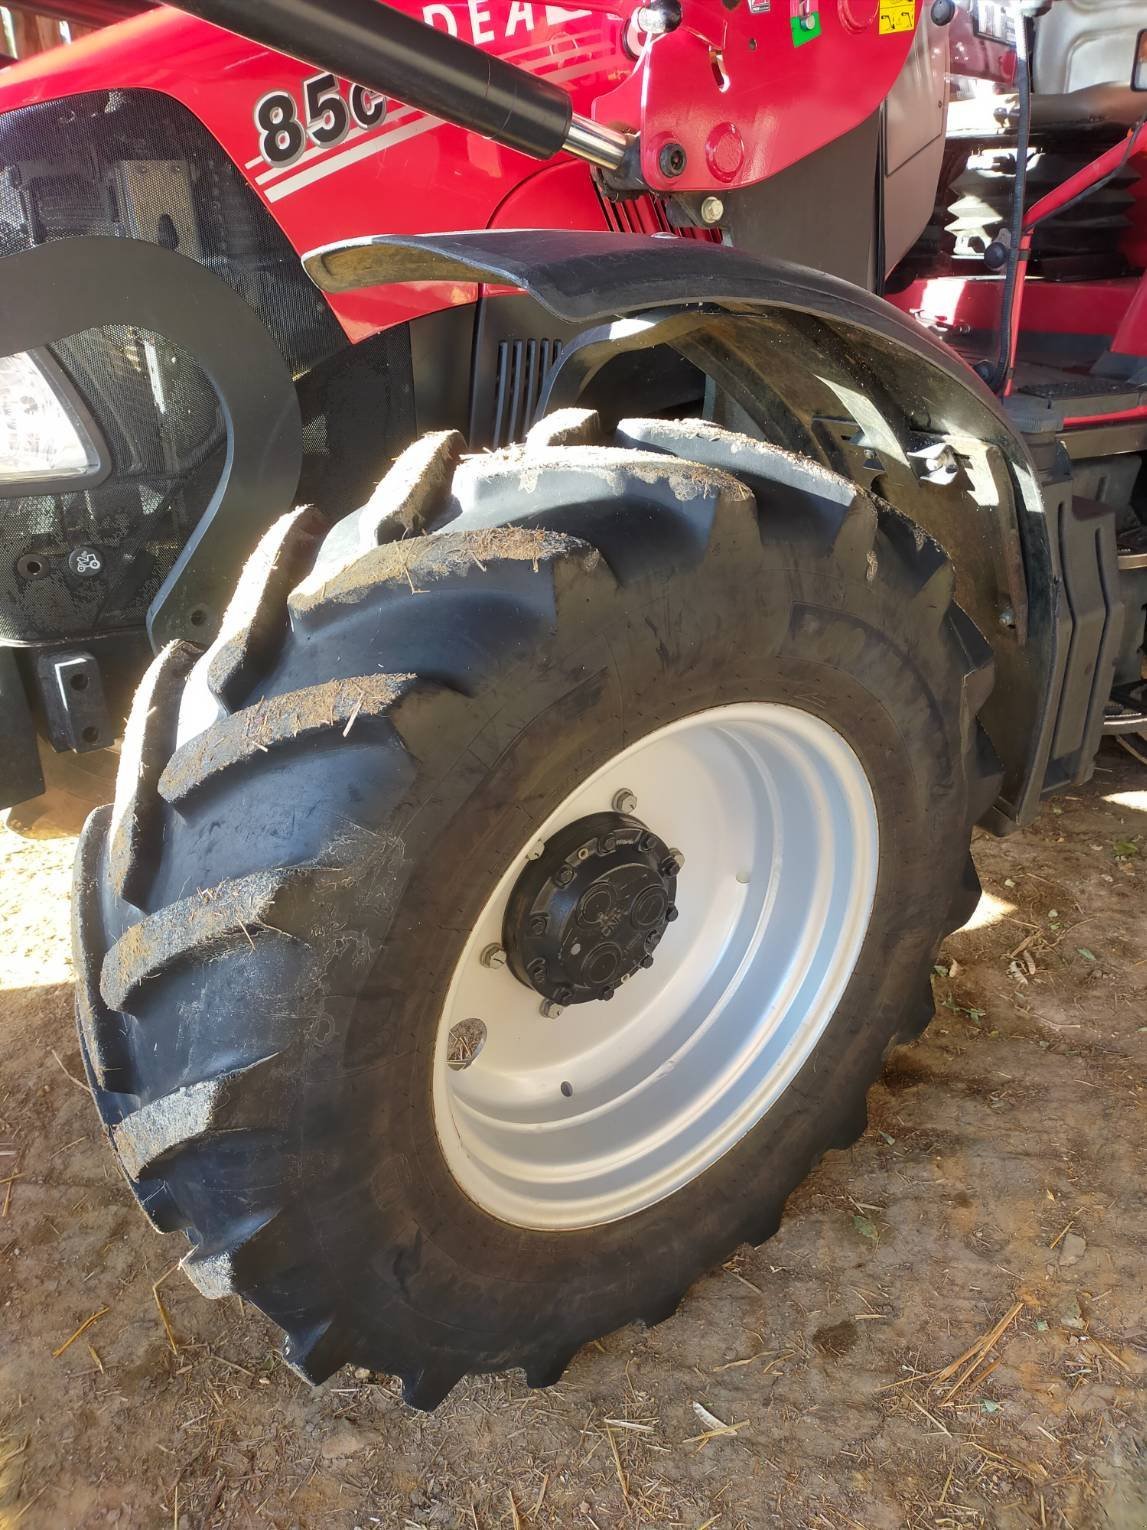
point(368, 147)
point(351, 157)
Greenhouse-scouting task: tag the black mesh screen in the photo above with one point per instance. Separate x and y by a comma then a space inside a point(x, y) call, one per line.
point(134, 165)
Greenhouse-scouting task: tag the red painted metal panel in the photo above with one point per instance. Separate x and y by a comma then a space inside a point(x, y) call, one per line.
point(747, 91)
point(957, 304)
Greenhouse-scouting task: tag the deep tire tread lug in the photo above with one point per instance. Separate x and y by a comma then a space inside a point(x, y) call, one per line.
point(197, 927)
point(429, 1386)
point(136, 825)
point(254, 623)
point(194, 1112)
point(412, 497)
point(568, 427)
point(299, 718)
point(315, 1352)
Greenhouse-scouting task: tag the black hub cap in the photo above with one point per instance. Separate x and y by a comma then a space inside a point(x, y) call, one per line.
point(591, 909)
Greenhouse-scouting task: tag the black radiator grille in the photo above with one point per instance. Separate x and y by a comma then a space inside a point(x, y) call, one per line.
point(522, 366)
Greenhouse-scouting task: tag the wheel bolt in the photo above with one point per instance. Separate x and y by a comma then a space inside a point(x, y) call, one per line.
point(647, 961)
point(550, 1010)
point(563, 876)
point(672, 864)
point(606, 994)
point(624, 801)
point(494, 956)
point(607, 844)
point(563, 995)
point(537, 970)
point(671, 913)
point(538, 924)
point(648, 842)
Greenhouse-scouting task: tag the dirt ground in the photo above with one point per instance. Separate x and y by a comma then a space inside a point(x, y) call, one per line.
point(995, 1210)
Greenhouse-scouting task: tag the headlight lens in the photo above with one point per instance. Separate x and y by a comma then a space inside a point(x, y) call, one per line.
point(41, 441)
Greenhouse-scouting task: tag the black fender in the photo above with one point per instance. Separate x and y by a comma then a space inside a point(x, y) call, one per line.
point(827, 368)
point(70, 285)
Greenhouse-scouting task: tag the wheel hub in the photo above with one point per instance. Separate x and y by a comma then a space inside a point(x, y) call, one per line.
point(590, 911)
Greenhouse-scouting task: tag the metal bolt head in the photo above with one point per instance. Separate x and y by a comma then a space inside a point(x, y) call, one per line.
point(563, 876)
point(672, 863)
point(537, 969)
point(538, 924)
point(624, 801)
point(563, 995)
point(550, 1010)
point(712, 210)
point(606, 994)
point(494, 956)
point(536, 851)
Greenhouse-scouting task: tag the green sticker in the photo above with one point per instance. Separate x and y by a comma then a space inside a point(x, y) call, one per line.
point(804, 28)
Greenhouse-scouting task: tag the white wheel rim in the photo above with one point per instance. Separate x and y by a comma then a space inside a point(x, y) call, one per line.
point(611, 1107)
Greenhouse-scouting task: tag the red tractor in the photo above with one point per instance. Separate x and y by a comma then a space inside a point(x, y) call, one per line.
point(518, 876)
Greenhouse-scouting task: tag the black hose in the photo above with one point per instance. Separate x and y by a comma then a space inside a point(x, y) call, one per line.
point(998, 376)
point(397, 55)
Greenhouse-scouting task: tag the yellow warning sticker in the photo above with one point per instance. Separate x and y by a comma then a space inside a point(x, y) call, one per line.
point(896, 16)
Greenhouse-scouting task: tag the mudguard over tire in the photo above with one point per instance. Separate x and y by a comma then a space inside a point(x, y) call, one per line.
point(311, 815)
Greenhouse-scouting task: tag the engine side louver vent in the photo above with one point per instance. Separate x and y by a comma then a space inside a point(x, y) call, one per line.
point(646, 215)
point(522, 366)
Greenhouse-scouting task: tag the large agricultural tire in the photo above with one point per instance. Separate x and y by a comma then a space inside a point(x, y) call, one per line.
point(313, 820)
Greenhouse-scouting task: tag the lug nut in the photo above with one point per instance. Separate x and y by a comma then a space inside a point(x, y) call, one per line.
point(563, 995)
point(672, 864)
point(494, 956)
point(550, 1010)
point(624, 801)
point(538, 924)
point(671, 913)
point(648, 842)
point(563, 876)
point(647, 961)
point(537, 970)
point(607, 844)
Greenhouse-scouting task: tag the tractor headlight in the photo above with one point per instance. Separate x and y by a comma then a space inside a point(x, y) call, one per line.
point(45, 437)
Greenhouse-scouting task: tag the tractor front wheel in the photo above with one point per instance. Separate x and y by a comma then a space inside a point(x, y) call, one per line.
point(506, 912)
